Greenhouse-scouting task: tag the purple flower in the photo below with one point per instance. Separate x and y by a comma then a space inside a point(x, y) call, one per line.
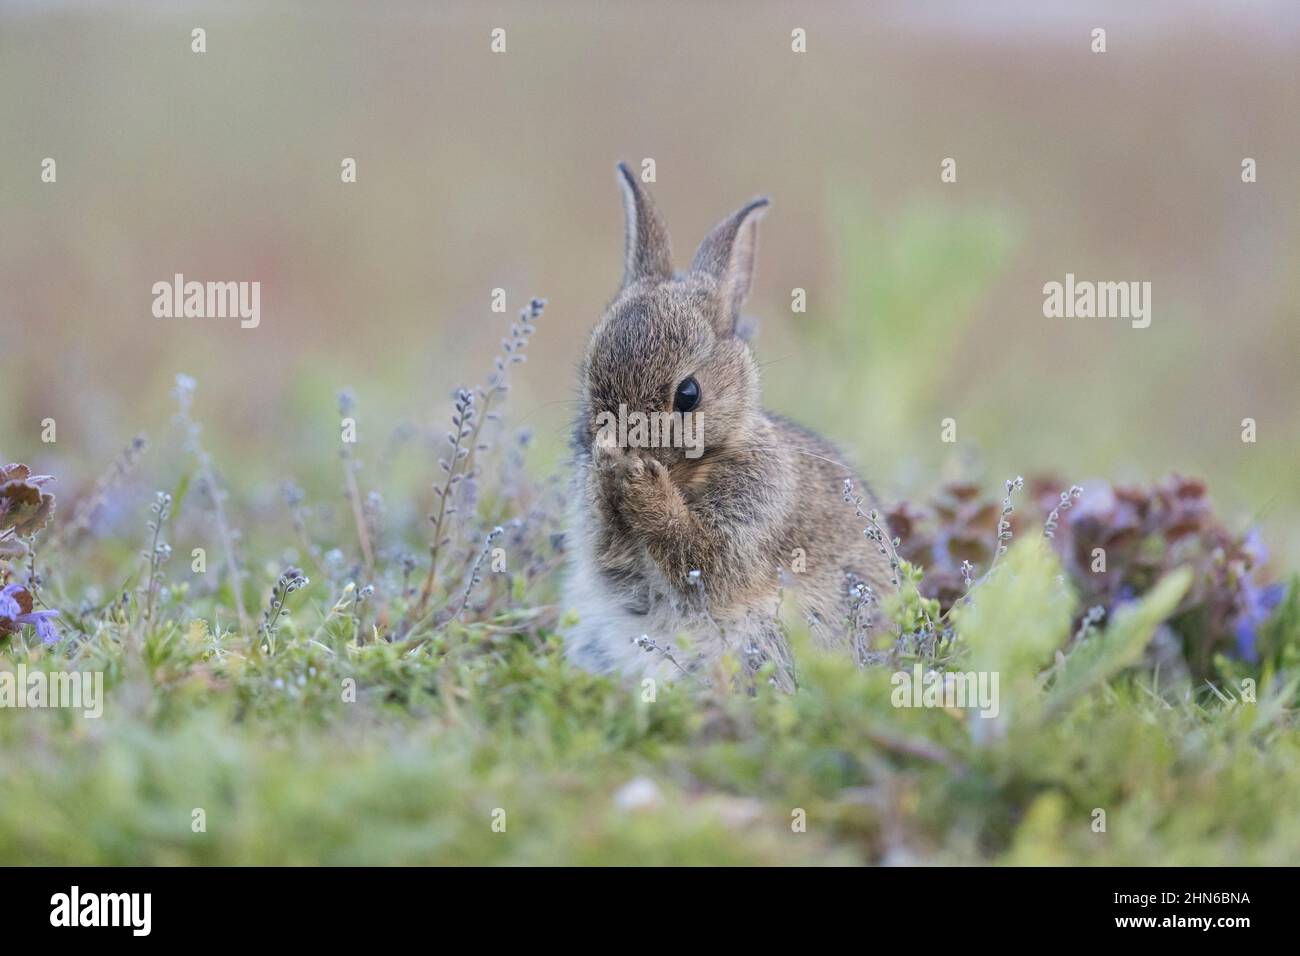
point(45, 628)
point(1259, 603)
point(9, 606)
point(12, 615)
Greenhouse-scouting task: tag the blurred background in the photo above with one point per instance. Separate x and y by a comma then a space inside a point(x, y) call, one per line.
point(478, 170)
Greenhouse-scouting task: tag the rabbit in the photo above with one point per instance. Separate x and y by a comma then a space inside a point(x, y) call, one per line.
point(679, 554)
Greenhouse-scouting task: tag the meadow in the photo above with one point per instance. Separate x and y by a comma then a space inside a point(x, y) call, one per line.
point(317, 558)
point(313, 693)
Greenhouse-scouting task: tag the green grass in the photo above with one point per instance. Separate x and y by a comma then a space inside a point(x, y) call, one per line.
point(450, 726)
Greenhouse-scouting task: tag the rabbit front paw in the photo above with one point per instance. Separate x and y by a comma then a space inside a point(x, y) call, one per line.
point(652, 499)
point(609, 471)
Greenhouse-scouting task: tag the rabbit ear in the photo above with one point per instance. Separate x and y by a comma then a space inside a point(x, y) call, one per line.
point(647, 254)
point(727, 254)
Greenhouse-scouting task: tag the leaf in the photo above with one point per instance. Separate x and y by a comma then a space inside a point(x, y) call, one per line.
point(178, 494)
point(1275, 706)
point(24, 507)
point(1121, 645)
point(13, 549)
point(1279, 638)
point(1020, 615)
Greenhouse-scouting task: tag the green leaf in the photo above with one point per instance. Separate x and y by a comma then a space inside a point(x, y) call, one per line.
point(1101, 657)
point(178, 493)
point(1279, 638)
point(1019, 615)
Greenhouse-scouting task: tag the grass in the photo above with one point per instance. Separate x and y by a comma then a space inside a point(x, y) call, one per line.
point(327, 736)
point(487, 717)
point(405, 699)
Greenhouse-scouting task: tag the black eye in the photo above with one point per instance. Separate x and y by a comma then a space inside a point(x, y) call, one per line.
point(688, 395)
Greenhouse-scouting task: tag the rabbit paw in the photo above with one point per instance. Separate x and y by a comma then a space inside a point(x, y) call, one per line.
point(650, 493)
point(611, 462)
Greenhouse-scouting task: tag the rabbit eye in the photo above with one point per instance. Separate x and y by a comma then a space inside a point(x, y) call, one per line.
point(688, 395)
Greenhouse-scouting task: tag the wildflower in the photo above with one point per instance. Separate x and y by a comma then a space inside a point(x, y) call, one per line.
point(1117, 541)
point(292, 579)
point(16, 610)
point(1256, 600)
point(184, 395)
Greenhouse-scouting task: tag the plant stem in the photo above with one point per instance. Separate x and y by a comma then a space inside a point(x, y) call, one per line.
point(354, 494)
point(431, 577)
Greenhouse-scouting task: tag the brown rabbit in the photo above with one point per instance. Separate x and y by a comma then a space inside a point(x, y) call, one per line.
point(678, 545)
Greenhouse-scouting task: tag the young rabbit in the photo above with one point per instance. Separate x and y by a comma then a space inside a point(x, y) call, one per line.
point(684, 545)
